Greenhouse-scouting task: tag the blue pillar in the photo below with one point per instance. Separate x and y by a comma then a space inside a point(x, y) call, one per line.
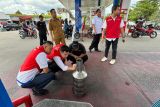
point(78, 17)
point(115, 2)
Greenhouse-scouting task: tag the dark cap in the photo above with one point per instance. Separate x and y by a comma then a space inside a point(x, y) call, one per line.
point(75, 45)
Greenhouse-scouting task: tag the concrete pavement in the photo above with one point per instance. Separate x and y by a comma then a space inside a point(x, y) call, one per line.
point(132, 82)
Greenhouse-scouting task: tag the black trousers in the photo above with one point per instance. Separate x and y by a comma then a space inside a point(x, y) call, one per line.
point(114, 48)
point(95, 41)
point(40, 81)
point(42, 37)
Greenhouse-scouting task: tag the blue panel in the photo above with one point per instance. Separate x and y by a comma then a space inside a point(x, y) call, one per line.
point(115, 2)
point(5, 101)
point(78, 17)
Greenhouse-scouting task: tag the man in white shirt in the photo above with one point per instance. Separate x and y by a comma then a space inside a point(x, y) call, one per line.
point(34, 72)
point(97, 30)
point(113, 26)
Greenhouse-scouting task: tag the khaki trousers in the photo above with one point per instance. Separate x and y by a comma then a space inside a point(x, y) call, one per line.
point(60, 40)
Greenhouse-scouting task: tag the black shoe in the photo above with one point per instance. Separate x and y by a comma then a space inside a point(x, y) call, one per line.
point(39, 92)
point(97, 50)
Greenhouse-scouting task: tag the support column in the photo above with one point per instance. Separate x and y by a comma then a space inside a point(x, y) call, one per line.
point(90, 17)
point(116, 2)
point(125, 7)
point(78, 17)
point(68, 9)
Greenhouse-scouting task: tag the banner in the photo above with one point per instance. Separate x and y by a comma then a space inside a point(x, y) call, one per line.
point(78, 17)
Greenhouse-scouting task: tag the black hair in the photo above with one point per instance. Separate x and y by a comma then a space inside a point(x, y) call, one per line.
point(98, 10)
point(48, 42)
point(52, 10)
point(114, 8)
point(40, 16)
point(66, 21)
point(64, 48)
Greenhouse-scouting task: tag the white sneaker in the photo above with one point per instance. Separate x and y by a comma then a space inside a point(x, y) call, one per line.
point(104, 59)
point(112, 62)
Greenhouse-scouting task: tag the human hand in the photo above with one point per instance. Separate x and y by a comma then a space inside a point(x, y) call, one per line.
point(74, 66)
point(123, 37)
point(123, 40)
point(102, 40)
point(76, 57)
point(79, 58)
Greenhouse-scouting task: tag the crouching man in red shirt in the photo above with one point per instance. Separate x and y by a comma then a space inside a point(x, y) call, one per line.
point(112, 28)
point(59, 57)
point(34, 72)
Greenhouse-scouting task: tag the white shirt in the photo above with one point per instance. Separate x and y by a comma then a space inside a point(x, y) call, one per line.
point(24, 77)
point(104, 26)
point(59, 62)
point(97, 21)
